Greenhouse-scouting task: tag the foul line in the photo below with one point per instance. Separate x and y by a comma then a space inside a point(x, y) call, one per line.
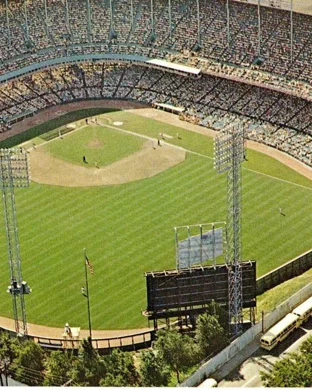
point(208, 157)
point(201, 155)
point(261, 173)
point(174, 146)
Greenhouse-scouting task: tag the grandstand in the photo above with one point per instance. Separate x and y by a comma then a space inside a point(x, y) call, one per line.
point(199, 56)
point(274, 118)
point(33, 32)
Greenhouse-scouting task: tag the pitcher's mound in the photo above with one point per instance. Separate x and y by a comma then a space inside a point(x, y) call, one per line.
point(147, 162)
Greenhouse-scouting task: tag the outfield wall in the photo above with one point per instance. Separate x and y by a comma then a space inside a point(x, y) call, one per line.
point(287, 271)
point(104, 345)
point(235, 349)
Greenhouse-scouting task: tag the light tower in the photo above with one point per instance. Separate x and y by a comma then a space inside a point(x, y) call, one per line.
point(229, 154)
point(14, 173)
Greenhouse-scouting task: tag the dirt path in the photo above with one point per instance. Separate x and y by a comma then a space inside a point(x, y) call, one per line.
point(48, 331)
point(142, 110)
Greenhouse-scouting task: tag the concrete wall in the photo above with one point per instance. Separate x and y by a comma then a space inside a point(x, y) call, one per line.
point(241, 342)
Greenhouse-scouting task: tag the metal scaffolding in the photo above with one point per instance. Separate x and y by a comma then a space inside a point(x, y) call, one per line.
point(14, 173)
point(229, 154)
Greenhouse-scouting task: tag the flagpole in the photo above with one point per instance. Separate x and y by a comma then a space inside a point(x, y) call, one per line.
point(87, 295)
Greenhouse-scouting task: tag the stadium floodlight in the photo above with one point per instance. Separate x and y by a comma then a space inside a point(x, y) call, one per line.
point(229, 154)
point(229, 148)
point(14, 173)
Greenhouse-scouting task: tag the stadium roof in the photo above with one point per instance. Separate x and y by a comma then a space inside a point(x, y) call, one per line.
point(169, 107)
point(173, 66)
point(95, 57)
point(301, 6)
point(75, 58)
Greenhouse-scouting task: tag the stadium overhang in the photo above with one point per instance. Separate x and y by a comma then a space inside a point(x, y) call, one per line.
point(173, 67)
point(121, 58)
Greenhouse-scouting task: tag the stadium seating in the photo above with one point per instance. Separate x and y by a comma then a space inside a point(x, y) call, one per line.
point(31, 34)
point(34, 33)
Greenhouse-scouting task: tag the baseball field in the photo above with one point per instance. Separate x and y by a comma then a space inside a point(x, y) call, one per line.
point(122, 204)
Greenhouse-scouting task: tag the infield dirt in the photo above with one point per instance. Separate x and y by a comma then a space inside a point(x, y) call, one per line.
point(147, 162)
point(148, 112)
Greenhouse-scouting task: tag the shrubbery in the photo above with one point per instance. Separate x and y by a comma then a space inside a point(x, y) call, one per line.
point(172, 353)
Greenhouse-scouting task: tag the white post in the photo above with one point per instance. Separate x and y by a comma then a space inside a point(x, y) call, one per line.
point(67, 15)
point(259, 29)
point(177, 248)
point(291, 32)
point(198, 24)
point(89, 21)
point(111, 21)
point(169, 4)
point(152, 17)
point(201, 244)
point(189, 246)
point(45, 10)
point(26, 19)
point(132, 17)
point(228, 21)
point(8, 21)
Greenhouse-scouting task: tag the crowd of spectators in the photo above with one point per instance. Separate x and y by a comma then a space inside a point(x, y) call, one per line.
point(31, 32)
point(274, 118)
point(263, 86)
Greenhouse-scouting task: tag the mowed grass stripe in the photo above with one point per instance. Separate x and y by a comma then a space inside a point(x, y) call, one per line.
point(257, 162)
point(275, 233)
point(128, 230)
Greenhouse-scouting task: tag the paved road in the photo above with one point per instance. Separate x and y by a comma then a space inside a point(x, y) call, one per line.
point(247, 374)
point(11, 382)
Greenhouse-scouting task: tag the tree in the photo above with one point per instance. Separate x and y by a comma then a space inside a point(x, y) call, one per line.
point(177, 351)
point(210, 335)
point(295, 370)
point(29, 363)
point(9, 346)
point(111, 380)
point(89, 368)
point(217, 311)
point(121, 370)
point(153, 370)
point(58, 367)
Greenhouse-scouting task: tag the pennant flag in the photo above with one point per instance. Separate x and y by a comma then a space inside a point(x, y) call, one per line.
point(89, 264)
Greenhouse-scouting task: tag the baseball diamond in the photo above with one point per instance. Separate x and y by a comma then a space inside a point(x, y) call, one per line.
point(117, 111)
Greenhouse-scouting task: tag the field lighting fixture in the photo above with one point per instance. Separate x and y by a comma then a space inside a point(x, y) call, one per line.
point(14, 173)
point(229, 154)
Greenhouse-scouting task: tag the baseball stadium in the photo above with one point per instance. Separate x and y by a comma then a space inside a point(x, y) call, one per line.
point(116, 105)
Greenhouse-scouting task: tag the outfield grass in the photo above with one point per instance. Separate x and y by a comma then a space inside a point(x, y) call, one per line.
point(128, 230)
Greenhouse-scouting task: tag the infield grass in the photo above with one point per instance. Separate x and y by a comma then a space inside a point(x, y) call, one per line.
point(103, 145)
point(128, 229)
